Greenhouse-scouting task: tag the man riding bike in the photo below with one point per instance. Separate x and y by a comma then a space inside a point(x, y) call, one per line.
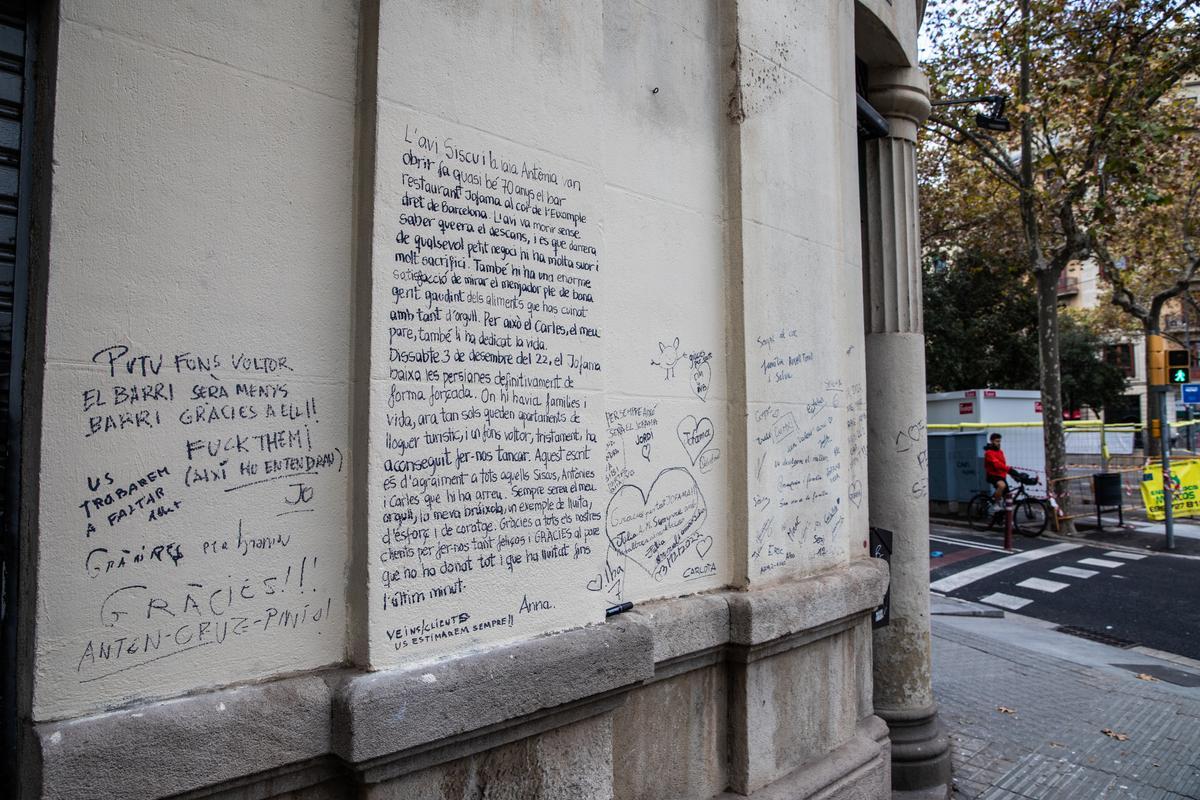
point(997, 470)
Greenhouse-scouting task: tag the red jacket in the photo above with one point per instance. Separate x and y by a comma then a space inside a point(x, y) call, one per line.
point(994, 464)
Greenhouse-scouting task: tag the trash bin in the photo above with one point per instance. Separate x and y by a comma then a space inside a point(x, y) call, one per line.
point(1106, 489)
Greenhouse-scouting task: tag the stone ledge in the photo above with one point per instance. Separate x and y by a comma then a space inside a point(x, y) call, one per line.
point(682, 626)
point(762, 615)
point(382, 713)
point(174, 746)
point(377, 725)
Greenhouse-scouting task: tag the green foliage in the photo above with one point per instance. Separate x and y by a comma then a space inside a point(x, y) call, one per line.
point(1112, 142)
point(980, 324)
point(990, 339)
point(1086, 379)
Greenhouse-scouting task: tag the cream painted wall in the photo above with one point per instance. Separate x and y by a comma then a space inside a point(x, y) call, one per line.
point(803, 327)
point(704, 326)
point(197, 341)
point(666, 84)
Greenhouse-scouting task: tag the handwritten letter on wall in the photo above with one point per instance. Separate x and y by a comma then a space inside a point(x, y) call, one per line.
point(486, 465)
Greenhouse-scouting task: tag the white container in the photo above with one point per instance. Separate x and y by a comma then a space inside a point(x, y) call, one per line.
point(1023, 448)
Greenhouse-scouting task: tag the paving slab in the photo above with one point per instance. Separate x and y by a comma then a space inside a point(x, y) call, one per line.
point(939, 605)
point(1027, 709)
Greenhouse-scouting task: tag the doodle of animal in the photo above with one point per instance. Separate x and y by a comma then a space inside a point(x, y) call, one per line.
point(668, 357)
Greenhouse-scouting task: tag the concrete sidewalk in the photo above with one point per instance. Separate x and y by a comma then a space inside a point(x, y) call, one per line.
point(1027, 708)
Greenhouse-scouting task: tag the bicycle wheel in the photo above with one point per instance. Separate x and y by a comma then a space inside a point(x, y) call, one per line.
point(977, 513)
point(1029, 517)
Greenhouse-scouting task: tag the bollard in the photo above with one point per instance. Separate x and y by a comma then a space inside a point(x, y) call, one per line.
point(1009, 508)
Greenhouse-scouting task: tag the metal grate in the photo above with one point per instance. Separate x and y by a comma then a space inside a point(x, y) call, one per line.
point(1178, 677)
point(1096, 636)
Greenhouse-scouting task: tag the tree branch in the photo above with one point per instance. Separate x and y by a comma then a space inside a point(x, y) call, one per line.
point(986, 146)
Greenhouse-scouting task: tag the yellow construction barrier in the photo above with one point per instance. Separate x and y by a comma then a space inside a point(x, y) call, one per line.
point(1185, 489)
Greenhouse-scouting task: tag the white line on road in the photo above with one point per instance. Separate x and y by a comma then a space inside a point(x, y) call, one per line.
point(1100, 562)
point(1042, 585)
point(1011, 602)
point(961, 579)
point(1074, 572)
point(1126, 556)
point(968, 543)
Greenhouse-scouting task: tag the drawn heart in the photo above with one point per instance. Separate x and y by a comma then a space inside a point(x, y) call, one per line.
point(595, 584)
point(695, 435)
point(655, 529)
point(856, 493)
point(646, 452)
point(703, 546)
point(701, 377)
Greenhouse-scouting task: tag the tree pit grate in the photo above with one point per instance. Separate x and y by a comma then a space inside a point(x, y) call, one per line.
point(1096, 636)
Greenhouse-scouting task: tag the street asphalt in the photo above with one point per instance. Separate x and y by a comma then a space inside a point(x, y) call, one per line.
point(1119, 594)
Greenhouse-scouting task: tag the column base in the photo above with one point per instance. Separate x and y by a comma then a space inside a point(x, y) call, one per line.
point(920, 753)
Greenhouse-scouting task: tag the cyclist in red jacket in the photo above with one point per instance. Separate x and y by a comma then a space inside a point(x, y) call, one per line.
point(996, 468)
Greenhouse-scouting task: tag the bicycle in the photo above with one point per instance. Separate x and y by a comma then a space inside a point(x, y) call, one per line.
point(1030, 514)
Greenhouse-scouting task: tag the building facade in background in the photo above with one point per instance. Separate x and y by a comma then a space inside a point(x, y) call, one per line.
point(467, 400)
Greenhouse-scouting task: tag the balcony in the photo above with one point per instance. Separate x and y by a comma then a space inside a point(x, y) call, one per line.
point(1068, 286)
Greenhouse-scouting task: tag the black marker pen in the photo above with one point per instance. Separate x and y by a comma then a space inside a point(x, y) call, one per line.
point(618, 609)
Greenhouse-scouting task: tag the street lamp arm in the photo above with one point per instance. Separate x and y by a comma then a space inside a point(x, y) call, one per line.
point(958, 101)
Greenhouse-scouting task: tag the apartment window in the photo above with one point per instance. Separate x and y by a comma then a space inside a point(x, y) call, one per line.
point(1120, 356)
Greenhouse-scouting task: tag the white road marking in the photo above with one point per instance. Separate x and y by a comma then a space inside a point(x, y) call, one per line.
point(968, 543)
point(967, 576)
point(1100, 562)
point(1042, 585)
point(1126, 556)
point(1011, 602)
point(1074, 572)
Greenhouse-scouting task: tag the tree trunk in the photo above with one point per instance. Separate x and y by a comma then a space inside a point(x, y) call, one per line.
point(1053, 437)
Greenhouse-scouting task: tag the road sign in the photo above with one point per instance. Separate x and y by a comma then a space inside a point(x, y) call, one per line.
point(1191, 393)
point(1180, 375)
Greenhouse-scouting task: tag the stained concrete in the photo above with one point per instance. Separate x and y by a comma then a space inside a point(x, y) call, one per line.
point(782, 718)
point(174, 746)
point(857, 770)
point(386, 712)
point(569, 763)
point(670, 738)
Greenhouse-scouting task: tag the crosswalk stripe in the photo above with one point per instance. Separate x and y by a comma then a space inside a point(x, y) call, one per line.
point(1042, 585)
point(1074, 572)
point(967, 543)
point(1100, 562)
point(961, 579)
point(1126, 556)
point(1011, 602)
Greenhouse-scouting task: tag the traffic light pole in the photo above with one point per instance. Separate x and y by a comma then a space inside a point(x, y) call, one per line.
point(1168, 484)
point(1158, 382)
point(1168, 492)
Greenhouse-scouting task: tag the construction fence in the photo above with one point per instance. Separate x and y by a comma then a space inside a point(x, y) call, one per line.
point(956, 466)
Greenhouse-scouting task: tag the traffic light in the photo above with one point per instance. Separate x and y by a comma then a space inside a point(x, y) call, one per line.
point(1157, 360)
point(1178, 369)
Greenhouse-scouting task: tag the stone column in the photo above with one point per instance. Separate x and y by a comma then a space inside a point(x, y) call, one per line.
point(897, 444)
